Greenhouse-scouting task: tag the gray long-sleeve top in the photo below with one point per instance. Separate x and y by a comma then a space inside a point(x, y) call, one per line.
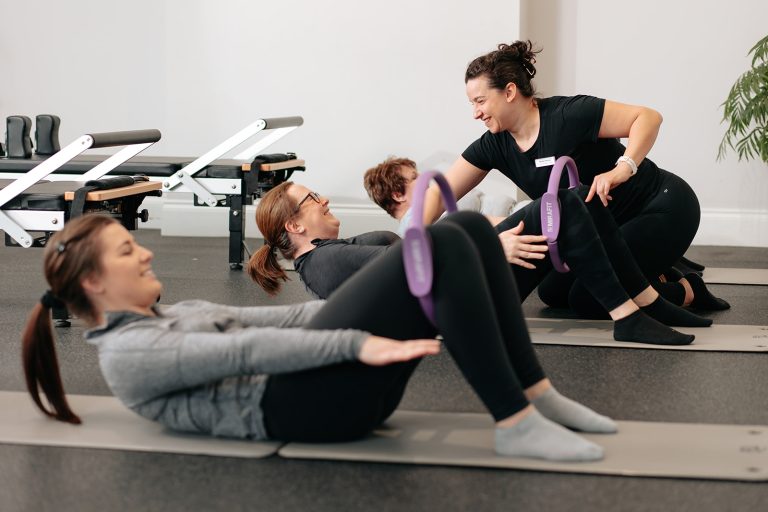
point(203, 367)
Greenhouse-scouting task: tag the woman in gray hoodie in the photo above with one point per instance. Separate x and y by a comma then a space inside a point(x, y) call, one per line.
point(313, 372)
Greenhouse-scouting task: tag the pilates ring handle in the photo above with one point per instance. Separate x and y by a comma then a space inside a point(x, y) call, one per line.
point(417, 246)
point(550, 208)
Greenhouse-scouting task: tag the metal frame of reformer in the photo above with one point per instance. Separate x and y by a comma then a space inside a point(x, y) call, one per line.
point(231, 189)
point(18, 223)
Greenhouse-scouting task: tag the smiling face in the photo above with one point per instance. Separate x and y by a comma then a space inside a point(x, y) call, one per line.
point(126, 281)
point(489, 105)
point(313, 218)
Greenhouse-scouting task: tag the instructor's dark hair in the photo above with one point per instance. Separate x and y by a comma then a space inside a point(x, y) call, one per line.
point(71, 255)
point(508, 63)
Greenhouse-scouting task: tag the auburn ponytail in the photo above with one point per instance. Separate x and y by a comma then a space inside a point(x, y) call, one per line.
point(41, 366)
point(275, 209)
point(266, 271)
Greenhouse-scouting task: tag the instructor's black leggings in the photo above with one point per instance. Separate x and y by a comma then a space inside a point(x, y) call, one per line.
point(657, 237)
point(590, 243)
point(477, 308)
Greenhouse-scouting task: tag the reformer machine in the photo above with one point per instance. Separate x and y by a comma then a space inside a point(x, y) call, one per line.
point(32, 208)
point(231, 183)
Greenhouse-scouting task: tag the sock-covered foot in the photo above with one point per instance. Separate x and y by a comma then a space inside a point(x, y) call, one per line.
point(537, 437)
point(669, 314)
point(703, 298)
point(640, 328)
point(572, 414)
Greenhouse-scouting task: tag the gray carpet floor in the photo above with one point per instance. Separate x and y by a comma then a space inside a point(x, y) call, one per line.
point(626, 384)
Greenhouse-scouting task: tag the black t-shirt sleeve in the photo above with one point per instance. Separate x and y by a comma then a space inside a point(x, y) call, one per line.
point(581, 117)
point(482, 153)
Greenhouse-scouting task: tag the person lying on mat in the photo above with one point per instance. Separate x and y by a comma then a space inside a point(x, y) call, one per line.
point(657, 211)
point(390, 185)
point(311, 372)
point(298, 223)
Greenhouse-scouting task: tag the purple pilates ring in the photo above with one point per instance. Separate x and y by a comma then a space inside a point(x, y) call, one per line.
point(417, 246)
point(550, 208)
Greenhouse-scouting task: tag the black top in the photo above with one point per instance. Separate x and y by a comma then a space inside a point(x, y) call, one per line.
point(331, 262)
point(569, 126)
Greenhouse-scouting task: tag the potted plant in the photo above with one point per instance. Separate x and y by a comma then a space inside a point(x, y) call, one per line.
point(746, 110)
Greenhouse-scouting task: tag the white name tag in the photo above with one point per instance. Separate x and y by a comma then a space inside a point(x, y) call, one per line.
point(543, 162)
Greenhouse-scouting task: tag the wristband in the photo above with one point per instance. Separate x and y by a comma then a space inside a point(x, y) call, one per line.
point(627, 160)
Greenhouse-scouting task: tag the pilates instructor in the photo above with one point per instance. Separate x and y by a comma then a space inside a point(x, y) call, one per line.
point(658, 213)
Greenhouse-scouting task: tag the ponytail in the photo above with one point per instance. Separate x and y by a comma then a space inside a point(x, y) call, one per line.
point(275, 209)
point(41, 366)
point(266, 271)
point(70, 255)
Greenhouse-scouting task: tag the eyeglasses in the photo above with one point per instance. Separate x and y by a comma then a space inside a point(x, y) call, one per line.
point(313, 196)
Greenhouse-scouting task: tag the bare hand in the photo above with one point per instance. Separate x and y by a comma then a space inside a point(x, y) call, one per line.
point(378, 351)
point(518, 248)
point(607, 181)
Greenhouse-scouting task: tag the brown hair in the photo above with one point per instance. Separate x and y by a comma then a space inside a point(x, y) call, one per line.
point(385, 180)
point(274, 210)
point(508, 63)
point(71, 255)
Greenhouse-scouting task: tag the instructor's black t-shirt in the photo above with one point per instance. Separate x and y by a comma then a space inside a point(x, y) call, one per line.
point(569, 126)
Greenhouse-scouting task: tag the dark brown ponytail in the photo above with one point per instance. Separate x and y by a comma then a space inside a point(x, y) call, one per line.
point(41, 366)
point(275, 209)
point(71, 255)
point(509, 63)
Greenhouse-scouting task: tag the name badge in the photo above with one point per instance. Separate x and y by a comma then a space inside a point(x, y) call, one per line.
point(543, 162)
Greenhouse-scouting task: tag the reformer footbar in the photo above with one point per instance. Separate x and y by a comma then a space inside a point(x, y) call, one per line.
point(550, 208)
point(417, 245)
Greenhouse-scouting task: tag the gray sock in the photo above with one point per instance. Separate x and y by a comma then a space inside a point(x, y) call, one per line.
point(572, 414)
point(537, 437)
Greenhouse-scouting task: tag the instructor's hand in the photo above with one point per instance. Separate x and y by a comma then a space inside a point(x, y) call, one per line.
point(518, 248)
point(378, 351)
point(604, 183)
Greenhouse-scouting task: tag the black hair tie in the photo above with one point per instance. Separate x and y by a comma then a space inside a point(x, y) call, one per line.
point(50, 301)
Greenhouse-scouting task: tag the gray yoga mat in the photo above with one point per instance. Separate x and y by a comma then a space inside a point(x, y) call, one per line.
point(599, 333)
point(673, 450)
point(755, 276)
point(107, 424)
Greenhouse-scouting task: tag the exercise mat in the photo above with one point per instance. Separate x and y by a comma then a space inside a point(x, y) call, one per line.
point(107, 424)
point(673, 450)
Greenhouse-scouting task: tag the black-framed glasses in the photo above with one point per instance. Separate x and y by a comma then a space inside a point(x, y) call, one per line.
point(313, 196)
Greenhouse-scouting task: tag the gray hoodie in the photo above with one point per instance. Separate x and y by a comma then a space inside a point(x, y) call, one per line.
point(203, 367)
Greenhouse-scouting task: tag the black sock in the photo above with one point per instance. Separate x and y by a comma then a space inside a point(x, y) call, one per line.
point(641, 328)
point(673, 275)
point(702, 298)
point(698, 267)
point(669, 314)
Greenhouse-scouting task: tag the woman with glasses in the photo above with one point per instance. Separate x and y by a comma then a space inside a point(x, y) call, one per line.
point(658, 213)
point(308, 235)
point(313, 372)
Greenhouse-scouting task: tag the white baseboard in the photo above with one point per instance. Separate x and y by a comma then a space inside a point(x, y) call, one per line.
point(729, 226)
point(176, 216)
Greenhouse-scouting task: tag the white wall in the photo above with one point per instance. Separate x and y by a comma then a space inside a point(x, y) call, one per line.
point(680, 58)
point(370, 79)
point(386, 78)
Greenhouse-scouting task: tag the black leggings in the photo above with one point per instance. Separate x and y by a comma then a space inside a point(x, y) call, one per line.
point(657, 237)
point(476, 306)
point(589, 242)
